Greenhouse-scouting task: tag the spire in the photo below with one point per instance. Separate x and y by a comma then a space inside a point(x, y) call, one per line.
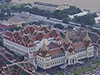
point(44, 48)
point(87, 41)
point(43, 37)
point(87, 38)
point(58, 36)
point(57, 31)
point(44, 52)
point(67, 40)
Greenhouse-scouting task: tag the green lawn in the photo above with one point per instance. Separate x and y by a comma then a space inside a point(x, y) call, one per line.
point(97, 63)
point(60, 73)
point(82, 70)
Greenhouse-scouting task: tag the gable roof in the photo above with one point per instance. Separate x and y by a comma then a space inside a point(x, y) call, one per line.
point(93, 36)
point(20, 68)
point(7, 27)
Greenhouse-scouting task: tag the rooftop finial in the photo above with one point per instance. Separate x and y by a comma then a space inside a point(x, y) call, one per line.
point(87, 37)
point(43, 37)
point(67, 33)
point(67, 40)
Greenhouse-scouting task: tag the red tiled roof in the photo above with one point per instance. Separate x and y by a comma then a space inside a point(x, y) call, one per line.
point(78, 44)
point(7, 27)
point(35, 53)
point(58, 50)
point(7, 38)
point(8, 34)
point(47, 35)
point(58, 38)
point(26, 38)
point(31, 45)
point(52, 46)
point(39, 36)
point(53, 33)
point(23, 36)
point(34, 38)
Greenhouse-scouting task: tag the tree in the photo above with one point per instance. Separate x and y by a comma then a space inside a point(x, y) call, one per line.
point(11, 29)
point(83, 25)
point(8, 1)
point(59, 26)
point(23, 24)
point(66, 20)
point(86, 19)
point(62, 35)
point(48, 17)
point(17, 28)
point(35, 22)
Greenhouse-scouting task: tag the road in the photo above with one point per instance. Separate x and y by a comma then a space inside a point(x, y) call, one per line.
point(51, 20)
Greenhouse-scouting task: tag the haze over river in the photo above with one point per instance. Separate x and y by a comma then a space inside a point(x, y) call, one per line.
point(93, 5)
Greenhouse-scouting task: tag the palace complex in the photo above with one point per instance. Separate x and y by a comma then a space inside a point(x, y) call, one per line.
point(45, 48)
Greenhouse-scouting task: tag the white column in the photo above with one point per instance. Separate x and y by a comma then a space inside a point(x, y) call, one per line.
point(69, 61)
point(97, 53)
point(74, 61)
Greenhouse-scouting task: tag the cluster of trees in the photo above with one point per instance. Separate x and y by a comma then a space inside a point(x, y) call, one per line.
point(5, 11)
point(16, 29)
point(60, 26)
point(8, 1)
point(33, 10)
point(63, 14)
point(1, 41)
point(94, 30)
point(58, 14)
point(32, 23)
point(86, 19)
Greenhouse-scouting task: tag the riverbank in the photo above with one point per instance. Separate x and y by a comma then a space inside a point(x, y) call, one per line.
point(91, 5)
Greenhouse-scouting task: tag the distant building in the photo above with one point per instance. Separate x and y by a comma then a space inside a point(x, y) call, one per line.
point(19, 18)
point(62, 7)
point(78, 14)
point(6, 27)
point(97, 19)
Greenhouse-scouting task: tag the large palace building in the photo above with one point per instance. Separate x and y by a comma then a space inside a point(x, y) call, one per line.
point(46, 48)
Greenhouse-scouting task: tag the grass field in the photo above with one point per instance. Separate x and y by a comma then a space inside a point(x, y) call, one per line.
point(97, 63)
point(60, 73)
point(82, 70)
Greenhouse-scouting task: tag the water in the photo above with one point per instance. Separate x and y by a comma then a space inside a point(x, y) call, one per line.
point(93, 5)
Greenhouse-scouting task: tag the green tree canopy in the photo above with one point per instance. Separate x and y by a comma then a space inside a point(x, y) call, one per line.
point(23, 24)
point(59, 26)
point(86, 19)
point(66, 20)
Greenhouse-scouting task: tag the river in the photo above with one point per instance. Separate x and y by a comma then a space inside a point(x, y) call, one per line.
point(93, 5)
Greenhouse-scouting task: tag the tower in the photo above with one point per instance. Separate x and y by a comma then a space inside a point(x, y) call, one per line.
point(43, 56)
point(89, 45)
point(68, 45)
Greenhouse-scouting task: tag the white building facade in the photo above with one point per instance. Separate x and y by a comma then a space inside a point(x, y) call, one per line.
point(45, 48)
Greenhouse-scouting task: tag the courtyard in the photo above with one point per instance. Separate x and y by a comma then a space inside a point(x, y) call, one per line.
point(59, 73)
point(82, 70)
point(97, 63)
